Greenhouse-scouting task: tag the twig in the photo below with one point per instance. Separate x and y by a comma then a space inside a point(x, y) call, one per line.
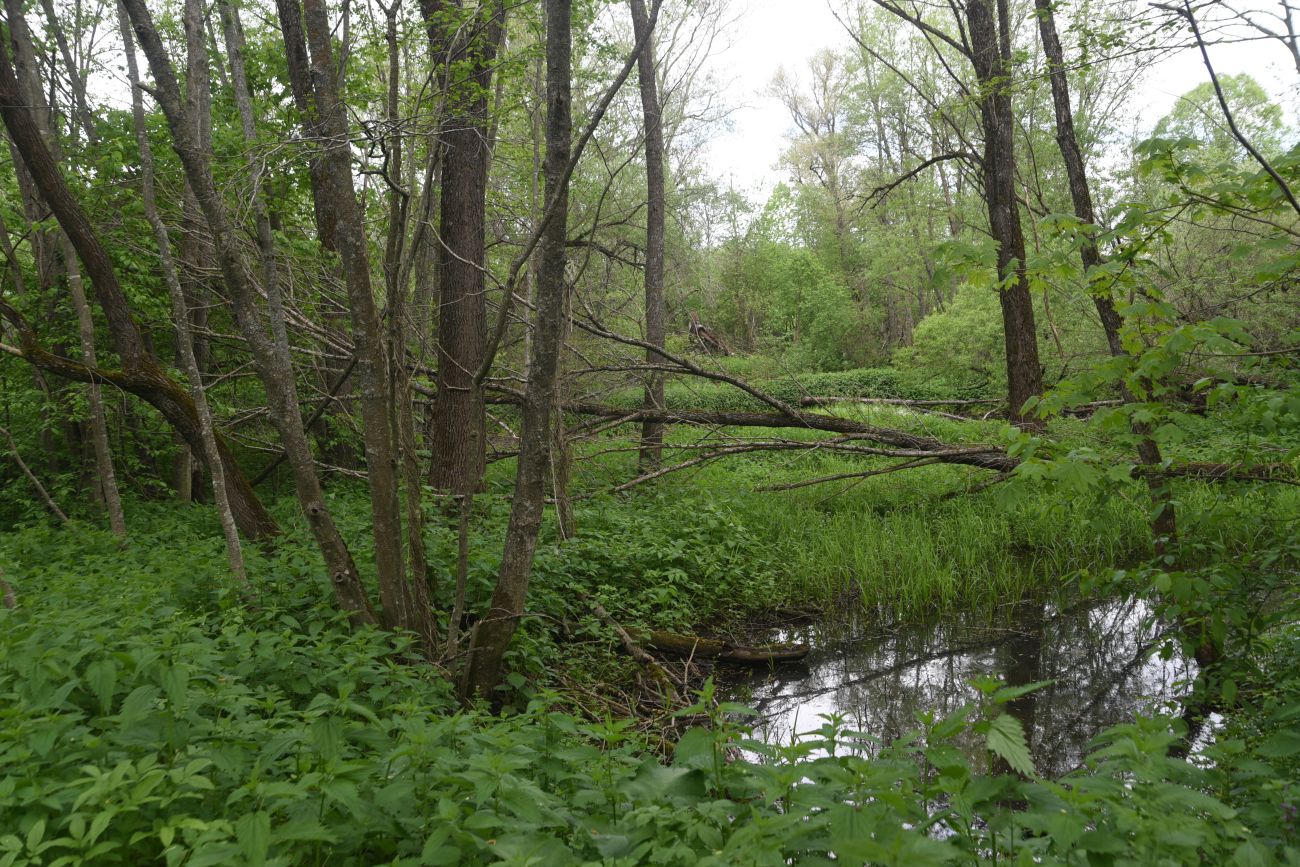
point(45, 495)
point(1282, 185)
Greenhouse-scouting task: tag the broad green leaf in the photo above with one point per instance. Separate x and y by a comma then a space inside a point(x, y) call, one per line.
point(1006, 739)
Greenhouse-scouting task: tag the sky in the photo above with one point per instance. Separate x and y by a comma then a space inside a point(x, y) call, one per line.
point(769, 34)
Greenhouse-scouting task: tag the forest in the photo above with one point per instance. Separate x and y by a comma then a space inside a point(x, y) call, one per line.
point(416, 449)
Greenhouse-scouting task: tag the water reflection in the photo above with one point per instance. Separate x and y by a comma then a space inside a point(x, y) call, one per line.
point(1100, 656)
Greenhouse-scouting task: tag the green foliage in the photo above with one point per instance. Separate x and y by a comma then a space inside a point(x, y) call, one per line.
point(139, 732)
point(963, 341)
point(784, 294)
point(1196, 115)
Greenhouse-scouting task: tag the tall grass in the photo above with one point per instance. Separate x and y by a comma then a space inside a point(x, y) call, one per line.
point(914, 543)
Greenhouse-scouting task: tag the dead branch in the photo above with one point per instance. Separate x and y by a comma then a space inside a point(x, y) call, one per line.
point(637, 652)
point(865, 474)
point(899, 401)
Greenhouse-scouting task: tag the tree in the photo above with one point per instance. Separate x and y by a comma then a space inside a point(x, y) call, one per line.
point(141, 373)
point(180, 311)
point(990, 54)
point(405, 602)
point(493, 633)
point(1081, 196)
point(466, 54)
point(652, 434)
point(270, 353)
point(1196, 115)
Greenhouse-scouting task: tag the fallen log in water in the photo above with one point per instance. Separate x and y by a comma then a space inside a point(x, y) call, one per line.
point(723, 651)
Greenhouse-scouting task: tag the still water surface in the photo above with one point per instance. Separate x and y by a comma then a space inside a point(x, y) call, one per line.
point(1101, 656)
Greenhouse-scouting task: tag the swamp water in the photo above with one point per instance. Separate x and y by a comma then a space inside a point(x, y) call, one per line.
point(1101, 656)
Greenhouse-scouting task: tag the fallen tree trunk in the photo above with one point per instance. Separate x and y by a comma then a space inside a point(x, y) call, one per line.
point(899, 401)
point(974, 455)
point(693, 646)
point(980, 455)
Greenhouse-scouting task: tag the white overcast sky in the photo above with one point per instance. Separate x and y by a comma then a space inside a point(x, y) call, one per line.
point(769, 34)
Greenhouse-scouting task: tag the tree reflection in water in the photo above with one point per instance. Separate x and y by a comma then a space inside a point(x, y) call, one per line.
point(1100, 656)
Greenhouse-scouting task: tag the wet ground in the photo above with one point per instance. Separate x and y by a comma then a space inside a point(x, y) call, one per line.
point(1101, 656)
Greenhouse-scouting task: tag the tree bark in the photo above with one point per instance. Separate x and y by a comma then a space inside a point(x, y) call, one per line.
point(652, 433)
point(458, 438)
point(494, 631)
point(141, 373)
point(990, 55)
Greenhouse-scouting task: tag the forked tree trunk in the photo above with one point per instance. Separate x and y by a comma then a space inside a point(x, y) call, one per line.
point(1165, 524)
point(180, 310)
point(140, 374)
point(276, 375)
point(652, 433)
point(990, 55)
point(494, 631)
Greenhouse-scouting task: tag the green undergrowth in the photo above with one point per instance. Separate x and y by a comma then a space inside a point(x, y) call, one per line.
point(136, 730)
point(151, 713)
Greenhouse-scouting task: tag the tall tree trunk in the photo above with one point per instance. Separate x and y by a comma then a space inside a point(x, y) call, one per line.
point(141, 373)
point(104, 484)
point(401, 401)
point(406, 604)
point(652, 433)
point(180, 311)
point(990, 55)
point(493, 634)
point(1165, 524)
point(458, 439)
point(107, 477)
point(277, 376)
